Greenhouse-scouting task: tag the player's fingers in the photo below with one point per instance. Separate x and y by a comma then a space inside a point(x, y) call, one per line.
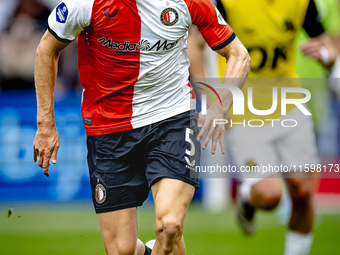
point(311, 49)
point(311, 44)
point(40, 158)
point(315, 55)
point(200, 121)
point(34, 154)
point(46, 164)
point(215, 137)
point(221, 140)
point(308, 52)
point(204, 129)
point(54, 155)
point(208, 137)
point(213, 145)
point(45, 171)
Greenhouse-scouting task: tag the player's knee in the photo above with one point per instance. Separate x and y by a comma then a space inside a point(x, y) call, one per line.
point(120, 247)
point(126, 250)
point(271, 201)
point(301, 191)
point(270, 198)
point(170, 230)
point(170, 225)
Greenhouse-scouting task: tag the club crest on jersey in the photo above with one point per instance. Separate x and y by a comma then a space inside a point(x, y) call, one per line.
point(100, 194)
point(169, 17)
point(61, 13)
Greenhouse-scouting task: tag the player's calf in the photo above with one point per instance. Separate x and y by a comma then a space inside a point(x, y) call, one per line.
point(301, 191)
point(172, 198)
point(299, 238)
point(256, 193)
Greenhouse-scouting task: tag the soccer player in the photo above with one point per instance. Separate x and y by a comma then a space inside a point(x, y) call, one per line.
point(268, 28)
point(142, 130)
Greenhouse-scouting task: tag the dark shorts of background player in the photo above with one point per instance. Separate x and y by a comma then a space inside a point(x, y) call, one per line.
point(124, 165)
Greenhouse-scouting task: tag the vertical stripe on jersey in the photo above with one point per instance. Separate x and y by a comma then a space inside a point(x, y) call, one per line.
point(108, 76)
point(161, 90)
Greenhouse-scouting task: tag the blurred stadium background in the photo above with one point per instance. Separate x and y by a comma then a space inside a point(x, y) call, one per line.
point(54, 215)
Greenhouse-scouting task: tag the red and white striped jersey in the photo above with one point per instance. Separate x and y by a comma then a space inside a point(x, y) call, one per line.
point(133, 63)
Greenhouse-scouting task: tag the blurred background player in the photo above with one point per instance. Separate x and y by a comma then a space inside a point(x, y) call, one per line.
point(268, 29)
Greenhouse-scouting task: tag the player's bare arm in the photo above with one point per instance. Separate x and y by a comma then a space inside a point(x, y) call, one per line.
point(196, 45)
point(46, 142)
point(322, 49)
point(238, 66)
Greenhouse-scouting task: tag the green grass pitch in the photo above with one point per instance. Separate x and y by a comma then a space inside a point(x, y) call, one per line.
point(75, 231)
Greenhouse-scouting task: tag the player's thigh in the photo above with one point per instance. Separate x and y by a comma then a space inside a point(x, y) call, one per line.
point(173, 154)
point(298, 148)
point(253, 152)
point(119, 230)
point(172, 198)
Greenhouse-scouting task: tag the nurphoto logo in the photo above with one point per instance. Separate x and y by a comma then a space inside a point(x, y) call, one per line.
point(239, 104)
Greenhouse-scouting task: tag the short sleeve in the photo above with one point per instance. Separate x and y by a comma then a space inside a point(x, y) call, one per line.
point(69, 19)
point(214, 29)
point(312, 23)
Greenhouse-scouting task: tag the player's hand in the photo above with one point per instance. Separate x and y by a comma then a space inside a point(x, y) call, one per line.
point(45, 147)
point(322, 52)
point(312, 49)
point(206, 123)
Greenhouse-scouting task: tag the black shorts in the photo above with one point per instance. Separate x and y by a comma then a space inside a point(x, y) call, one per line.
point(124, 165)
